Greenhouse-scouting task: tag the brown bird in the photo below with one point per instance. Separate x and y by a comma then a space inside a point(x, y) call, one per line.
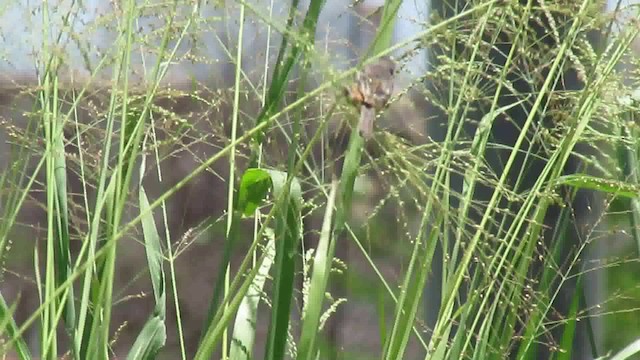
point(372, 90)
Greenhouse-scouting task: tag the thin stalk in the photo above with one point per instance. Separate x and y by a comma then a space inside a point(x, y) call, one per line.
point(232, 163)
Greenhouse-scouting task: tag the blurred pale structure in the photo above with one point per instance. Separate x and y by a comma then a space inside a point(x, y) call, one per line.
point(92, 28)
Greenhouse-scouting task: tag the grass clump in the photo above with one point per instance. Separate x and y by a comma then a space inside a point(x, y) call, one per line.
point(242, 218)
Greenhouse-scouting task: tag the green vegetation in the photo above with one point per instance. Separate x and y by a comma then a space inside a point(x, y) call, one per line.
point(100, 161)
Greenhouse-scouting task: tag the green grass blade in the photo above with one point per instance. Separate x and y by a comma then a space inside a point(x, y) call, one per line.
point(628, 161)
point(559, 241)
point(318, 286)
point(353, 156)
point(614, 187)
point(8, 327)
point(244, 328)
point(569, 332)
point(384, 35)
point(154, 333)
point(413, 287)
point(89, 286)
point(628, 352)
point(57, 186)
point(288, 235)
point(283, 68)
point(150, 340)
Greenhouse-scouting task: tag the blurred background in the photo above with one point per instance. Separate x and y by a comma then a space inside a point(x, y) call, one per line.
point(205, 64)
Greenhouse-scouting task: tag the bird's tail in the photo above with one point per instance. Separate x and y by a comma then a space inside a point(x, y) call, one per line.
point(365, 125)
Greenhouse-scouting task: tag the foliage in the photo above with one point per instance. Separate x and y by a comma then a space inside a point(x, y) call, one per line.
point(481, 219)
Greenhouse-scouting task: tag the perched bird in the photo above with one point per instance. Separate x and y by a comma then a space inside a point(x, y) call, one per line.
point(371, 91)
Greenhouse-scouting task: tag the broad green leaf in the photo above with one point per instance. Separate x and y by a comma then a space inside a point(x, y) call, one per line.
point(150, 340)
point(254, 186)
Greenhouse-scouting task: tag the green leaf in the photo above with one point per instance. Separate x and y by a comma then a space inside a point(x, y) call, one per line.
point(253, 189)
point(62, 253)
point(284, 66)
point(412, 289)
point(150, 340)
point(256, 183)
point(154, 333)
point(384, 36)
point(318, 284)
point(279, 181)
point(568, 335)
point(628, 352)
point(244, 329)
point(615, 187)
point(288, 235)
point(8, 326)
point(153, 250)
point(288, 192)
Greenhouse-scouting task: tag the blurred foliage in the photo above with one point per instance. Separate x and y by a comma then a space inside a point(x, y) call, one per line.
point(316, 242)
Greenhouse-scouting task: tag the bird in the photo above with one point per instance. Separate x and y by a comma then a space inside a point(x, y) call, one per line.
point(371, 91)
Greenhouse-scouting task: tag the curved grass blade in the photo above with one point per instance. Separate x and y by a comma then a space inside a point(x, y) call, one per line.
point(154, 333)
point(614, 187)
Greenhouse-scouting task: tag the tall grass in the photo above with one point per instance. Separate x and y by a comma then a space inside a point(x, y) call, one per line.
point(511, 249)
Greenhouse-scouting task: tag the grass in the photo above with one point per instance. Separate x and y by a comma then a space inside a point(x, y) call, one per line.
point(522, 119)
